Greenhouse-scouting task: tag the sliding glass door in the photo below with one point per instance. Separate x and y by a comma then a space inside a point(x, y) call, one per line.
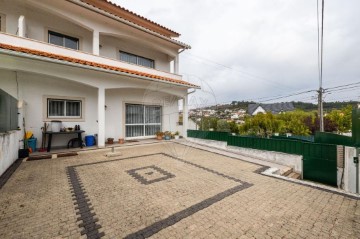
point(142, 120)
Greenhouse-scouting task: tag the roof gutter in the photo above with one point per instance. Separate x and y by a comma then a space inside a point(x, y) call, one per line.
point(104, 13)
point(40, 58)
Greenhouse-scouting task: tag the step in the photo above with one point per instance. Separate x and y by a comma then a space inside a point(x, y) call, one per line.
point(294, 175)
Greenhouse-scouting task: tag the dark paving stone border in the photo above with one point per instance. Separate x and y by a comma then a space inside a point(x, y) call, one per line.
point(83, 204)
point(133, 173)
point(260, 170)
point(7, 174)
point(164, 223)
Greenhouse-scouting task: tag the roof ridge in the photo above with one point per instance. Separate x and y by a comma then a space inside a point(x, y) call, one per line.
point(93, 64)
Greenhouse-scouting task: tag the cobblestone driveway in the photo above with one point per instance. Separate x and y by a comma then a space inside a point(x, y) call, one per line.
point(166, 191)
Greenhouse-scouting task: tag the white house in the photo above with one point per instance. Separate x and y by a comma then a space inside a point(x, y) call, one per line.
point(91, 63)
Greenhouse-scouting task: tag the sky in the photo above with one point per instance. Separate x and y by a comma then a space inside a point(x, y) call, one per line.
point(262, 50)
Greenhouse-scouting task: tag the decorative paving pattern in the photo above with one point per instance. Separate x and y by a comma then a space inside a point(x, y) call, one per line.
point(83, 205)
point(211, 196)
point(150, 174)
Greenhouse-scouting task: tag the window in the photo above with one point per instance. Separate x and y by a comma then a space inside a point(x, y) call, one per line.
point(138, 60)
point(2, 23)
point(142, 120)
point(59, 108)
point(63, 40)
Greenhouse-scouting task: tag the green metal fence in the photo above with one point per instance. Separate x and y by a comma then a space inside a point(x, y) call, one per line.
point(319, 163)
point(319, 160)
point(329, 138)
point(212, 135)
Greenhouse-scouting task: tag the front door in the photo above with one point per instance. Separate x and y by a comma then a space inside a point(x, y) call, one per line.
point(142, 120)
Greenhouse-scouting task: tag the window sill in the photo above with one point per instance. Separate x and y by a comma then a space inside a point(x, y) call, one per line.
point(65, 119)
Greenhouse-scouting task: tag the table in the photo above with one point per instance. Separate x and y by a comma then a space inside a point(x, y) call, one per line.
point(50, 133)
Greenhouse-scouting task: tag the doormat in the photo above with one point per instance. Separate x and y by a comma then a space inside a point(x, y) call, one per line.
point(131, 141)
point(49, 156)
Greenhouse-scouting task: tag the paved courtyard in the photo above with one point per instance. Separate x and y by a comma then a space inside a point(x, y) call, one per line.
point(166, 190)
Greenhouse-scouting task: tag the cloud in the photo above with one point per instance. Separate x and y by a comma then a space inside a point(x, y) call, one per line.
point(253, 48)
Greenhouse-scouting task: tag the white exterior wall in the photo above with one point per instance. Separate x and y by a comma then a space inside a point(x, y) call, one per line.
point(115, 109)
point(349, 179)
point(9, 143)
point(111, 46)
point(32, 88)
point(70, 19)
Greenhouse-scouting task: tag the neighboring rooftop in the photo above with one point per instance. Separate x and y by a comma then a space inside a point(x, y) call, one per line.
point(274, 108)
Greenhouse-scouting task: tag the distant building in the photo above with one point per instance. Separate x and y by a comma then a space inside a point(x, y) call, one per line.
point(276, 108)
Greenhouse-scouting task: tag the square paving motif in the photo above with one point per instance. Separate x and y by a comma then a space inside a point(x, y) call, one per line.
point(150, 174)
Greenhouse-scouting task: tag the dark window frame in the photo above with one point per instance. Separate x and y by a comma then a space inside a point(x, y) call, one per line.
point(63, 36)
point(65, 116)
point(137, 59)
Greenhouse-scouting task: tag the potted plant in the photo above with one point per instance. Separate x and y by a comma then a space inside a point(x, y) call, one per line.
point(121, 141)
point(110, 140)
point(167, 135)
point(177, 135)
point(159, 135)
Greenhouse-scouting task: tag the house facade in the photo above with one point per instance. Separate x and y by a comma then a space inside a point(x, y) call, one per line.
point(91, 63)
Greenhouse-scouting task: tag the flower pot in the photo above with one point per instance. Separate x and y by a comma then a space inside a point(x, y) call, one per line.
point(167, 137)
point(159, 137)
point(110, 140)
point(177, 137)
point(121, 141)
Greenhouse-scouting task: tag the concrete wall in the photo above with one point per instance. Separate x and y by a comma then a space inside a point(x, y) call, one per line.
point(294, 161)
point(349, 178)
point(9, 145)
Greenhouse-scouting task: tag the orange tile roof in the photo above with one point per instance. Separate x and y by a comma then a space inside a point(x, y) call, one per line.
point(94, 64)
point(126, 14)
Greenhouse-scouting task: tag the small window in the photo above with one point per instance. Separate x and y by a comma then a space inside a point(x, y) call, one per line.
point(138, 60)
point(59, 108)
point(63, 40)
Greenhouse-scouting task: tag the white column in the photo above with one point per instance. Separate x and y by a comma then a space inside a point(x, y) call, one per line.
point(185, 116)
point(101, 117)
point(96, 42)
point(176, 65)
point(21, 27)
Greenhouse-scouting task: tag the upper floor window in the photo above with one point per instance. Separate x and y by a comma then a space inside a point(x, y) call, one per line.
point(63, 40)
point(2, 23)
point(138, 60)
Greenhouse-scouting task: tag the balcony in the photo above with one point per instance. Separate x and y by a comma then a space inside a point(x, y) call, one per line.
point(17, 41)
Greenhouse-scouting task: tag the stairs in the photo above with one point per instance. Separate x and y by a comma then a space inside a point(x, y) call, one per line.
point(291, 174)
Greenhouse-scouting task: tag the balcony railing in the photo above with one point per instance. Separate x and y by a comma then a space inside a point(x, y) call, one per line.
point(13, 40)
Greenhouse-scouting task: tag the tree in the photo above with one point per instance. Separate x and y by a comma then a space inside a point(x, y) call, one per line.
point(223, 126)
point(341, 119)
point(262, 125)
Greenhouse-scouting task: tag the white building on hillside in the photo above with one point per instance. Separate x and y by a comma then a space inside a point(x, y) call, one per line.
point(94, 64)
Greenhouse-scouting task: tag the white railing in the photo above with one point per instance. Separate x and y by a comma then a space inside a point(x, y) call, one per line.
point(13, 40)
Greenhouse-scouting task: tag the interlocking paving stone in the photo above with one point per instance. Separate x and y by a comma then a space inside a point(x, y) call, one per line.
point(205, 199)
